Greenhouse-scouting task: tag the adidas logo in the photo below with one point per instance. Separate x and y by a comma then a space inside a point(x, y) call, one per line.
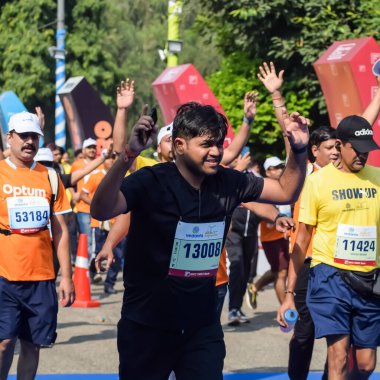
point(364, 132)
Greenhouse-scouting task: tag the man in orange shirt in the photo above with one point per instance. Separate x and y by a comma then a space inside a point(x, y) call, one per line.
point(28, 299)
point(275, 246)
point(82, 208)
point(100, 230)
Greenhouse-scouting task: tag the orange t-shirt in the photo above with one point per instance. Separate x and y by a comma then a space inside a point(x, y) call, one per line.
point(90, 187)
point(79, 164)
point(311, 168)
point(268, 232)
point(222, 276)
point(25, 195)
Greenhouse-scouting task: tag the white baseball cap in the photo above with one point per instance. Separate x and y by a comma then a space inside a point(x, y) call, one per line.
point(272, 161)
point(44, 154)
point(24, 122)
point(88, 142)
point(164, 131)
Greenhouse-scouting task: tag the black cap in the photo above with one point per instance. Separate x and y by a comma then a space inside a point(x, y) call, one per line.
point(357, 131)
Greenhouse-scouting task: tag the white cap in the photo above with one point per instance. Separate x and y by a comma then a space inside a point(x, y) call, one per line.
point(376, 68)
point(272, 161)
point(44, 154)
point(164, 131)
point(24, 122)
point(88, 142)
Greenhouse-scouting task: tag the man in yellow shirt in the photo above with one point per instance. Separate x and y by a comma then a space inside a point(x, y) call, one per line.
point(341, 201)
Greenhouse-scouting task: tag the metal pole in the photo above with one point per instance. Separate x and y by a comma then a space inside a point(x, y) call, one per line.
point(60, 76)
point(174, 10)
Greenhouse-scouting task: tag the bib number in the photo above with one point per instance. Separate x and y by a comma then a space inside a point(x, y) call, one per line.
point(28, 215)
point(196, 249)
point(356, 245)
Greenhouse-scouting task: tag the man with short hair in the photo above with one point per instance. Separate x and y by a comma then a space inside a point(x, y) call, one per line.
point(323, 150)
point(180, 215)
point(82, 209)
point(275, 246)
point(28, 299)
point(164, 143)
point(341, 202)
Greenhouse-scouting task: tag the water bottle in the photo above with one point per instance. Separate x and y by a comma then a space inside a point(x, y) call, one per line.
point(290, 317)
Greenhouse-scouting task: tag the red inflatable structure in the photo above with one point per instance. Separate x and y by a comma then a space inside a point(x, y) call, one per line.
point(345, 73)
point(180, 84)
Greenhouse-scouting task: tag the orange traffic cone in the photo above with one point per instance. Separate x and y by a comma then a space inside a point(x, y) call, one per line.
point(81, 278)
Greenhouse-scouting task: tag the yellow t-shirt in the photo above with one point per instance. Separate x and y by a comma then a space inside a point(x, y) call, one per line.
point(25, 195)
point(345, 210)
point(141, 162)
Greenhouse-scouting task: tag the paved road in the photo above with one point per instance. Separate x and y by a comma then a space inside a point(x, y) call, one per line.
point(86, 340)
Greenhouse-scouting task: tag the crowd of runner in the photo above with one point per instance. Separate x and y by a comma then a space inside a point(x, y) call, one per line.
point(184, 227)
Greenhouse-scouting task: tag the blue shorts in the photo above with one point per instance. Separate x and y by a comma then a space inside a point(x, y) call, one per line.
point(28, 310)
point(337, 309)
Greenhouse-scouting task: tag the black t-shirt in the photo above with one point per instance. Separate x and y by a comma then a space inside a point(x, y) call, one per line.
point(158, 197)
point(66, 180)
point(244, 222)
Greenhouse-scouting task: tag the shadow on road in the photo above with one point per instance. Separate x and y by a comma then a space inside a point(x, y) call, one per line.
point(102, 335)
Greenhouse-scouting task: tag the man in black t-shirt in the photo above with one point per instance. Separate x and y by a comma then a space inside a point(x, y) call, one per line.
point(180, 215)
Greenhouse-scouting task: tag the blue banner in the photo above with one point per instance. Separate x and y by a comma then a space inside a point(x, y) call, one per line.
point(9, 105)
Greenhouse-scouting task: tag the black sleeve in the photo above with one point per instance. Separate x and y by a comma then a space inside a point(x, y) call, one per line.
point(250, 186)
point(135, 186)
point(66, 180)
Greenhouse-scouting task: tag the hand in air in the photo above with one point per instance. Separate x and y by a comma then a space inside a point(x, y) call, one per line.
point(270, 79)
point(296, 129)
point(250, 100)
point(143, 133)
point(125, 94)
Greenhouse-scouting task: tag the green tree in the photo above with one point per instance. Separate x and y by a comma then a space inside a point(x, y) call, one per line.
point(237, 75)
point(292, 33)
point(26, 67)
point(106, 41)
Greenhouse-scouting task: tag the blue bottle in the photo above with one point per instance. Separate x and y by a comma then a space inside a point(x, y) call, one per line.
point(290, 317)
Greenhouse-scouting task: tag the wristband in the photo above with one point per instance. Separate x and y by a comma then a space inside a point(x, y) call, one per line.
point(277, 98)
point(247, 120)
point(279, 106)
point(279, 215)
point(299, 151)
point(290, 292)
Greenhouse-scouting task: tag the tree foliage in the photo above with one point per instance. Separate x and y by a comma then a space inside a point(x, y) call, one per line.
point(237, 75)
point(292, 33)
point(106, 41)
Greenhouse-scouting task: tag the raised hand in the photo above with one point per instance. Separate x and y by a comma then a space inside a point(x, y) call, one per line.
point(296, 129)
point(242, 162)
point(270, 79)
point(250, 99)
point(41, 117)
point(125, 94)
point(143, 133)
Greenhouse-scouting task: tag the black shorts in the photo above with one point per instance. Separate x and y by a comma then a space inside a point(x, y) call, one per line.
point(28, 310)
point(148, 353)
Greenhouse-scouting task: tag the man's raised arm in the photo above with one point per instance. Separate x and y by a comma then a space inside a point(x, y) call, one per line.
point(108, 200)
point(286, 189)
point(241, 137)
point(125, 95)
